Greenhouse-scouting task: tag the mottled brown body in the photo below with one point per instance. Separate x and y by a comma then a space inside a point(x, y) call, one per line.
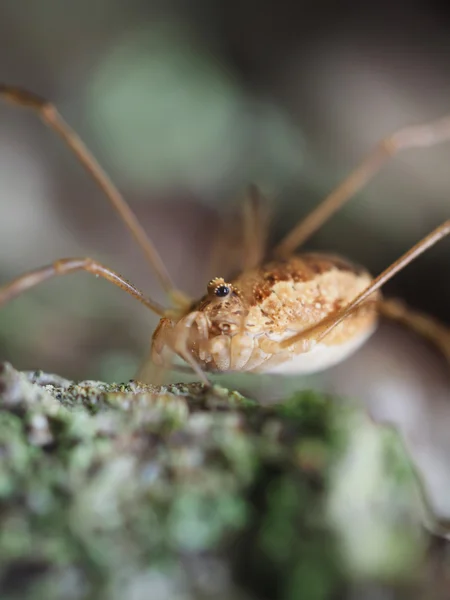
point(243, 330)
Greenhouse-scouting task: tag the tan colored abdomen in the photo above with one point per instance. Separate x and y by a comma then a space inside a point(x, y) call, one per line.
point(321, 357)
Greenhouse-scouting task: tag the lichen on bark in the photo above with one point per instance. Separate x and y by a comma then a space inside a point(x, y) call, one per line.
point(114, 491)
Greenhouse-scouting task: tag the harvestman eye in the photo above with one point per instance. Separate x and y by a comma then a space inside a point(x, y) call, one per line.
point(221, 291)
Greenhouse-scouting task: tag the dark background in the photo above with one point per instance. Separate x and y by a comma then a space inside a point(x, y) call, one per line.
point(184, 103)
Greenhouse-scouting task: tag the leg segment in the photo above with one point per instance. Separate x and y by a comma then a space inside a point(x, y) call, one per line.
point(254, 222)
point(69, 265)
point(241, 240)
point(324, 327)
point(51, 117)
point(422, 324)
point(411, 137)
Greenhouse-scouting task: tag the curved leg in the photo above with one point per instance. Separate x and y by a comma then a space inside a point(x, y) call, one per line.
point(422, 324)
point(412, 137)
point(317, 332)
point(51, 117)
point(69, 265)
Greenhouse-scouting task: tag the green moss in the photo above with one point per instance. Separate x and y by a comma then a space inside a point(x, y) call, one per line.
point(124, 490)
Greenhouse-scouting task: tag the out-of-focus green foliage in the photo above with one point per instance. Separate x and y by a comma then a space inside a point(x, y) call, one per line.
point(169, 116)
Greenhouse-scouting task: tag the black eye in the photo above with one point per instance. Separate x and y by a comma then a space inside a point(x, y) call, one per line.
point(221, 291)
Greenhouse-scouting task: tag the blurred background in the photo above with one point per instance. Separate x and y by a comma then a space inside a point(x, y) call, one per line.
point(184, 103)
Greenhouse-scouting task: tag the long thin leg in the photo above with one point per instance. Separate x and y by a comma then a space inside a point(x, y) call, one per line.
point(422, 324)
point(254, 224)
point(51, 117)
point(324, 327)
point(412, 137)
point(241, 240)
point(70, 265)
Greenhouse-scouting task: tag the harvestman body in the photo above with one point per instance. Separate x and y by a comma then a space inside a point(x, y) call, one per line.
point(294, 314)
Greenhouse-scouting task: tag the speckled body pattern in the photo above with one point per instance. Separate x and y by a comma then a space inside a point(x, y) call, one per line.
point(266, 305)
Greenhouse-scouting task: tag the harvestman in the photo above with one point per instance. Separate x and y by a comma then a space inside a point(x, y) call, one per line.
point(295, 313)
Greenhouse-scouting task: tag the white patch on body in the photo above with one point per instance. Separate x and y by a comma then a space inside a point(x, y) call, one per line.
point(321, 356)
